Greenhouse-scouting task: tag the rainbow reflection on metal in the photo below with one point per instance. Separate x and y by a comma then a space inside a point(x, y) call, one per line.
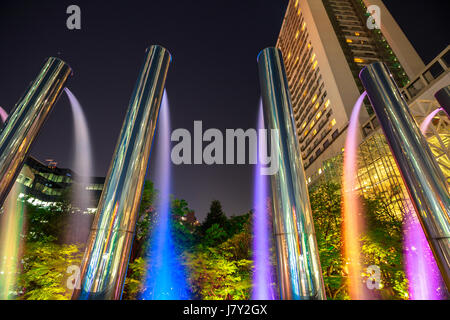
point(106, 258)
point(423, 178)
point(299, 271)
point(26, 120)
point(11, 224)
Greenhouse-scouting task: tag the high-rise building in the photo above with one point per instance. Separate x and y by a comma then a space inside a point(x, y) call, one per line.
point(378, 175)
point(325, 44)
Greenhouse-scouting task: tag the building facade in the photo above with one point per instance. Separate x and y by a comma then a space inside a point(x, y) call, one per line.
point(325, 44)
point(49, 186)
point(378, 173)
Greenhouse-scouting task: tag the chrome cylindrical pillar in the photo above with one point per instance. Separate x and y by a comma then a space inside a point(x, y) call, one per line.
point(423, 178)
point(27, 118)
point(443, 97)
point(105, 262)
point(299, 271)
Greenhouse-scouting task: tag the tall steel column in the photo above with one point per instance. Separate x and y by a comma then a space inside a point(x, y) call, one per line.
point(424, 180)
point(26, 120)
point(443, 97)
point(105, 262)
point(299, 271)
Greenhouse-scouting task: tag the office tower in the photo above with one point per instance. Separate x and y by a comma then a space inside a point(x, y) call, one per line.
point(325, 43)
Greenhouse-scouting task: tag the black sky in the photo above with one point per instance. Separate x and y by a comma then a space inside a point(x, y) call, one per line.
point(213, 76)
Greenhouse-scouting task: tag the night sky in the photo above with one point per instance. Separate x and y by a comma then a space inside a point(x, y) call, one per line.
point(213, 76)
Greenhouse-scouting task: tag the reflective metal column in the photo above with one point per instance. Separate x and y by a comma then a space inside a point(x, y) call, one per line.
point(299, 271)
point(443, 97)
point(423, 178)
point(26, 120)
point(106, 259)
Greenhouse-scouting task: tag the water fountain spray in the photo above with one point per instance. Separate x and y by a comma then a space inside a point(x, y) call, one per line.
point(166, 276)
point(423, 178)
point(352, 208)
point(105, 263)
point(262, 274)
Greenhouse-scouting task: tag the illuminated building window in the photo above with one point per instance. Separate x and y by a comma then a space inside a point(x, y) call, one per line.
point(316, 106)
point(298, 12)
point(357, 33)
point(306, 133)
point(301, 80)
point(296, 34)
point(304, 125)
point(313, 57)
point(296, 3)
point(314, 65)
point(318, 115)
point(320, 171)
point(333, 122)
point(349, 40)
point(289, 55)
point(312, 124)
point(303, 26)
point(359, 60)
point(327, 103)
point(309, 45)
point(314, 98)
point(314, 132)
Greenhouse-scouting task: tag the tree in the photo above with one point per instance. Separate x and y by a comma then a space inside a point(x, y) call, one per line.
point(326, 208)
point(215, 216)
point(145, 221)
point(44, 224)
point(219, 274)
point(134, 281)
point(183, 233)
point(220, 267)
point(44, 270)
point(381, 244)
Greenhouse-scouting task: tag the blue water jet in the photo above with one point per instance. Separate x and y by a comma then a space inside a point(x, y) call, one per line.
point(166, 276)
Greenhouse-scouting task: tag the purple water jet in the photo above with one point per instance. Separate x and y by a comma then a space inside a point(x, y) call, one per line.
point(422, 272)
point(3, 115)
point(424, 279)
point(426, 123)
point(262, 273)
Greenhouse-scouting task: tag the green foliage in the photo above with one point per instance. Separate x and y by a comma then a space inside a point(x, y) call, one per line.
point(215, 216)
point(145, 221)
point(381, 244)
point(220, 267)
point(44, 224)
point(134, 280)
point(214, 236)
point(182, 232)
point(219, 274)
point(326, 207)
point(44, 270)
